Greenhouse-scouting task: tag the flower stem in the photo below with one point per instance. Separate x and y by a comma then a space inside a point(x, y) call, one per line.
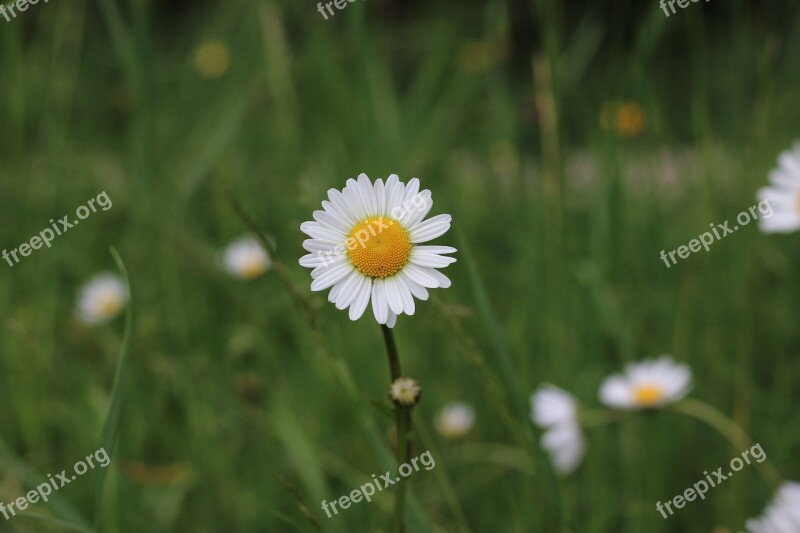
point(729, 429)
point(402, 418)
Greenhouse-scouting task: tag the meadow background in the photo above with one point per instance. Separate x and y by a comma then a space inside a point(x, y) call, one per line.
point(571, 142)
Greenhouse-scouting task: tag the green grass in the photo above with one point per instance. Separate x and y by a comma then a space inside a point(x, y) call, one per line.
point(237, 414)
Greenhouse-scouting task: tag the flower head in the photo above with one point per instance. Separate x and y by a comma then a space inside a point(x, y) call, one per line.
point(405, 391)
point(365, 246)
point(783, 513)
point(648, 384)
point(455, 420)
point(245, 258)
point(212, 59)
point(782, 196)
point(100, 299)
point(556, 411)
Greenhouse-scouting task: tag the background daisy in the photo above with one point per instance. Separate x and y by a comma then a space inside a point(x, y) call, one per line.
point(101, 299)
point(783, 194)
point(455, 420)
point(647, 384)
point(556, 410)
point(783, 513)
point(366, 246)
point(245, 258)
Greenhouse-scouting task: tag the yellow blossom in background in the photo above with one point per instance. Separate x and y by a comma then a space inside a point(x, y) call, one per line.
point(625, 118)
point(212, 59)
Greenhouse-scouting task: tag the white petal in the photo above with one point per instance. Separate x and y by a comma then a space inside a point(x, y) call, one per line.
point(380, 198)
point(430, 229)
point(393, 297)
point(316, 245)
point(351, 287)
point(392, 320)
point(330, 276)
point(353, 199)
point(330, 262)
point(421, 205)
point(780, 223)
point(417, 290)
point(616, 392)
point(368, 192)
point(338, 200)
point(427, 249)
point(394, 196)
point(380, 307)
point(315, 230)
point(566, 446)
point(444, 281)
point(420, 275)
point(332, 221)
point(405, 295)
point(551, 405)
point(359, 305)
point(430, 260)
point(312, 260)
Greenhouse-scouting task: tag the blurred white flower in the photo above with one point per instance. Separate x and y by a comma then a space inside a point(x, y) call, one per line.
point(556, 411)
point(245, 258)
point(648, 384)
point(783, 194)
point(783, 513)
point(100, 299)
point(455, 420)
point(366, 245)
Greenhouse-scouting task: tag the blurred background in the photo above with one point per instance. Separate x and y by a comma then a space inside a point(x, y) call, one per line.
point(571, 142)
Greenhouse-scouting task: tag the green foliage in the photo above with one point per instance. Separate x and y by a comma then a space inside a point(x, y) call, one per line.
point(238, 414)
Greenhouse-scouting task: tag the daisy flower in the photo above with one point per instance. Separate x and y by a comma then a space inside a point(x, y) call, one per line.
point(648, 384)
point(556, 411)
point(100, 299)
point(365, 246)
point(783, 195)
point(455, 420)
point(245, 258)
point(782, 515)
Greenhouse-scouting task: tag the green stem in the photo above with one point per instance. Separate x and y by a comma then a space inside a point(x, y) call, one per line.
point(402, 418)
point(729, 429)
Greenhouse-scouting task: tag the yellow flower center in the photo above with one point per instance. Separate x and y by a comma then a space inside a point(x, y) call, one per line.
point(378, 247)
point(108, 305)
point(252, 268)
point(648, 395)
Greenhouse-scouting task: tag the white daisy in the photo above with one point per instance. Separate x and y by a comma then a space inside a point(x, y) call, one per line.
point(100, 299)
point(556, 410)
point(783, 195)
point(648, 384)
point(245, 258)
point(365, 246)
point(783, 513)
point(455, 420)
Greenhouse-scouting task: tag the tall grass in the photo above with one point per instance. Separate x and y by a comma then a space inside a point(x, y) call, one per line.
point(235, 417)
